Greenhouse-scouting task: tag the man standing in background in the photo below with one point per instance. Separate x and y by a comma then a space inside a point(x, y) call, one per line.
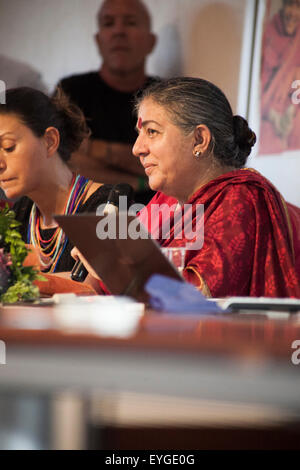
point(124, 40)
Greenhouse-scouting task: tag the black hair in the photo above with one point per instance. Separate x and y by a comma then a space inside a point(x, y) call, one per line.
point(193, 101)
point(38, 111)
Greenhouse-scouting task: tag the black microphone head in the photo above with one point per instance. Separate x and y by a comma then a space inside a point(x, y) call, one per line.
point(122, 189)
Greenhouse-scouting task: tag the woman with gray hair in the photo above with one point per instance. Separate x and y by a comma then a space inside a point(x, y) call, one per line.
point(194, 150)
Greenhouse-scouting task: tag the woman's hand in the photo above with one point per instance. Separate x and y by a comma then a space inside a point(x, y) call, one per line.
point(92, 278)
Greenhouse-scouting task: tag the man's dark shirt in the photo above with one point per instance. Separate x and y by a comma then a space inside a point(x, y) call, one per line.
point(109, 112)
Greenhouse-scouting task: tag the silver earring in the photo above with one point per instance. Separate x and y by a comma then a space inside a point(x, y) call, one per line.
point(197, 155)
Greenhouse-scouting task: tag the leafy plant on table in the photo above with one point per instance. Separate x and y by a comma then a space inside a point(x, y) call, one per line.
point(16, 280)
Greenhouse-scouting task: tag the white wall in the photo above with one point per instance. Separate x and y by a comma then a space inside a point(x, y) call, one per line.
point(282, 170)
point(206, 38)
point(196, 37)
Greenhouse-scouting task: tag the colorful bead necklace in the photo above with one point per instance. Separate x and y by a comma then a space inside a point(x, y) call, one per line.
point(55, 246)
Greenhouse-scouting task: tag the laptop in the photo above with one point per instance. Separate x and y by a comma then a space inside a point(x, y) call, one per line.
point(123, 263)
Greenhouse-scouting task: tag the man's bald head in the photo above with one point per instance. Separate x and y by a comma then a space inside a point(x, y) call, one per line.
point(136, 6)
point(124, 37)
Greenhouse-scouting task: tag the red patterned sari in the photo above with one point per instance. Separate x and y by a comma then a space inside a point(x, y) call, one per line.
point(248, 246)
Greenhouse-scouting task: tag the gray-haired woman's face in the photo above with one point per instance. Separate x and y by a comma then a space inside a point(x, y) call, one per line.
point(164, 150)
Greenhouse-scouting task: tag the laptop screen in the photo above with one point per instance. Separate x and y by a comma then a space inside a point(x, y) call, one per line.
point(124, 256)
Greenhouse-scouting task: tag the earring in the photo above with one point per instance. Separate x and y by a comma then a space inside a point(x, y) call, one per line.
point(197, 155)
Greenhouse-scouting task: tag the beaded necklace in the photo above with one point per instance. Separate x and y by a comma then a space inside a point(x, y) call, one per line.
point(54, 247)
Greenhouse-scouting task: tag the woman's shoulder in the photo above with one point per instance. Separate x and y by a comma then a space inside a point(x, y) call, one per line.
point(246, 187)
point(97, 194)
point(250, 180)
point(244, 180)
point(239, 187)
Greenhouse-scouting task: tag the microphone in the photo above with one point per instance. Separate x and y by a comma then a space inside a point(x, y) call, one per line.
point(79, 272)
point(113, 200)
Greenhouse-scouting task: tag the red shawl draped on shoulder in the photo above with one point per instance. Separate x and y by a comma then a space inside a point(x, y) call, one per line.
point(248, 246)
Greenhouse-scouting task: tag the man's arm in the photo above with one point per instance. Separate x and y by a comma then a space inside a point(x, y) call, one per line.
point(116, 155)
point(101, 170)
point(97, 171)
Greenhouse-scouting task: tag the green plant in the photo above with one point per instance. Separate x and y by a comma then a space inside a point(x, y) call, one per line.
point(15, 279)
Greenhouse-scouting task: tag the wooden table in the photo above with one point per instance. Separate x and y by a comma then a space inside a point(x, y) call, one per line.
point(224, 369)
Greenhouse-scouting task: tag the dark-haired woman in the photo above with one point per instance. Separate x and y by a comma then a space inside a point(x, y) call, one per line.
point(37, 136)
point(194, 150)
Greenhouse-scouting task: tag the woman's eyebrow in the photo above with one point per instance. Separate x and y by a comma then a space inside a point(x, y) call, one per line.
point(141, 123)
point(6, 133)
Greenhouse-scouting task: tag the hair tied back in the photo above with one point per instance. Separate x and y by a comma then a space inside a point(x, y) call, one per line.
point(244, 136)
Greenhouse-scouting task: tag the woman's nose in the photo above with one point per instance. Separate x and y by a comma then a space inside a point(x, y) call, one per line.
point(139, 149)
point(2, 163)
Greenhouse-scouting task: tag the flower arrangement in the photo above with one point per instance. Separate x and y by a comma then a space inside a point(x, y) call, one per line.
point(15, 279)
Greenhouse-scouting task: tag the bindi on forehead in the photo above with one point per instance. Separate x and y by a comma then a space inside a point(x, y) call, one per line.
point(140, 123)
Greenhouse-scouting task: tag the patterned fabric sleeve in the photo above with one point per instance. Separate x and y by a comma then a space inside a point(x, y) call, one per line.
point(223, 266)
point(247, 246)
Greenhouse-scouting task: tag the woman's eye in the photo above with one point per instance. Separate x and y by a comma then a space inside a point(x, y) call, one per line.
point(151, 132)
point(10, 149)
